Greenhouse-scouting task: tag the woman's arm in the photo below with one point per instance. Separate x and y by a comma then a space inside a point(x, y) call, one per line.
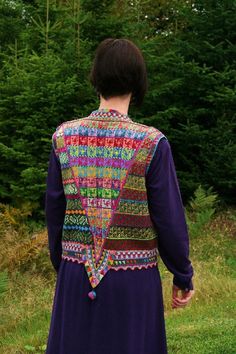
point(167, 213)
point(55, 205)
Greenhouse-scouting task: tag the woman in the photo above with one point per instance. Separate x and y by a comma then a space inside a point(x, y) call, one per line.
point(113, 205)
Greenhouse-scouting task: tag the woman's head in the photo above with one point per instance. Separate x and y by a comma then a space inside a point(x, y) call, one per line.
point(119, 69)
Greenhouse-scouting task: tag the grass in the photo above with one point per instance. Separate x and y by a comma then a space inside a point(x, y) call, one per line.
point(203, 329)
point(206, 326)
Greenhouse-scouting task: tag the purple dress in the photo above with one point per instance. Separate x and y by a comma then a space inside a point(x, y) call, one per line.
point(127, 316)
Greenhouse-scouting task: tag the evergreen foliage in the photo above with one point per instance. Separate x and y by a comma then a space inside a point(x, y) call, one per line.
point(192, 94)
point(46, 55)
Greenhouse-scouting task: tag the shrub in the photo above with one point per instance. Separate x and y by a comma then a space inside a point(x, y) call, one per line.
point(20, 248)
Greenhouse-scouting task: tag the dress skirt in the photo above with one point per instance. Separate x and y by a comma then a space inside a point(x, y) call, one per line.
point(126, 317)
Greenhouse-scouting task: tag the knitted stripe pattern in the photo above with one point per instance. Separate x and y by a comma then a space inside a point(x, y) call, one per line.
point(104, 159)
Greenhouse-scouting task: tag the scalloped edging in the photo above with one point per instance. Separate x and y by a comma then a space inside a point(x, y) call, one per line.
point(76, 260)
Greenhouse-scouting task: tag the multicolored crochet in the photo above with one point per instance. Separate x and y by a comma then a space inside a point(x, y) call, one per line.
point(104, 159)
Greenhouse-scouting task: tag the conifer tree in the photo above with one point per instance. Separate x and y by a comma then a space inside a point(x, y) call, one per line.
point(45, 59)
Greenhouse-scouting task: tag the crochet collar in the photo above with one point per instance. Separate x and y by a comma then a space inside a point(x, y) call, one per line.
point(109, 114)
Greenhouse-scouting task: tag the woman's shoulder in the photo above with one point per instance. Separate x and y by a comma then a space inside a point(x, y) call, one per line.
point(69, 123)
point(149, 129)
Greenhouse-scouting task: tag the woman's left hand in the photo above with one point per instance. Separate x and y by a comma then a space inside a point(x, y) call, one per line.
point(180, 301)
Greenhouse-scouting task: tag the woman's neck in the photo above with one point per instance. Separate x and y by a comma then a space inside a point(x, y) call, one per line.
point(119, 103)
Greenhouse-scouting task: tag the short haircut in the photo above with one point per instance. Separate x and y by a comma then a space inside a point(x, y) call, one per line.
point(118, 69)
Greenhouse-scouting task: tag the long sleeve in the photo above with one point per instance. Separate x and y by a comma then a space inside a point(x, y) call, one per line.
point(55, 205)
point(167, 213)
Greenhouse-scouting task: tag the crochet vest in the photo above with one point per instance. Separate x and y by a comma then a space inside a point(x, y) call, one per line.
point(104, 159)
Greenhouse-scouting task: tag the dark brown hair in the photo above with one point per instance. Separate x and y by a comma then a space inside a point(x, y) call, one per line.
point(119, 69)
